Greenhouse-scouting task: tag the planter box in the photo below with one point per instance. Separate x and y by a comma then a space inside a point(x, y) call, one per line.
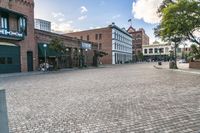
point(195, 65)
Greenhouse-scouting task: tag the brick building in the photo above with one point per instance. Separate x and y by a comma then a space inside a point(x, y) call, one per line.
point(113, 40)
point(17, 44)
point(21, 45)
point(140, 38)
point(78, 52)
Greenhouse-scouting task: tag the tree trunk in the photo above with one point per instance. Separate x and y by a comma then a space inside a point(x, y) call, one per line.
point(175, 57)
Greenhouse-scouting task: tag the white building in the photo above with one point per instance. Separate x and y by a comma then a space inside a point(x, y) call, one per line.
point(121, 45)
point(156, 51)
point(42, 25)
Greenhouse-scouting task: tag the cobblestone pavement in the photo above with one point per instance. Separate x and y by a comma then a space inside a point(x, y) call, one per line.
point(119, 99)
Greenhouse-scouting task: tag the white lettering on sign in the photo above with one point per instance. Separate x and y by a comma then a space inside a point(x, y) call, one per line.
point(11, 33)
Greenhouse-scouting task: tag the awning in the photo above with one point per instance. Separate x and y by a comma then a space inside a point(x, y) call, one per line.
point(7, 44)
point(49, 52)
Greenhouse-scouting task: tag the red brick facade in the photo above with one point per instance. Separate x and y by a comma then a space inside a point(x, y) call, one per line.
point(194, 65)
point(26, 8)
point(103, 37)
point(73, 44)
point(139, 39)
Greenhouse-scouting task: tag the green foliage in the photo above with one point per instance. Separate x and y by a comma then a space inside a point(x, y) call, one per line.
point(101, 54)
point(180, 19)
point(195, 52)
point(57, 45)
point(140, 56)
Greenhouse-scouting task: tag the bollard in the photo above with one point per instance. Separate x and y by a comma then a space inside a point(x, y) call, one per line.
point(3, 113)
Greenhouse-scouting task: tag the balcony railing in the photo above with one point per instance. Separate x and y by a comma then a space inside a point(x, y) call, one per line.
point(13, 35)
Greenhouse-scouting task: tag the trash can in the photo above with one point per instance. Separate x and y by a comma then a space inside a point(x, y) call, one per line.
point(171, 64)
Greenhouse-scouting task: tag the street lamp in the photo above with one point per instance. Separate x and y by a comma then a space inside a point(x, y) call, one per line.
point(68, 62)
point(45, 55)
point(86, 57)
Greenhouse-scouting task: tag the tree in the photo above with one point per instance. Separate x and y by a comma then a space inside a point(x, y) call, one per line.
point(58, 46)
point(180, 20)
point(97, 55)
point(195, 52)
point(140, 56)
point(180, 17)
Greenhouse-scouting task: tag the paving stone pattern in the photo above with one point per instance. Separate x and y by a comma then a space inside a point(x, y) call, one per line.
point(116, 99)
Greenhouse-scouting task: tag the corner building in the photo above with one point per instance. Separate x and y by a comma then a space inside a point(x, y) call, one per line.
point(17, 43)
point(113, 40)
point(140, 39)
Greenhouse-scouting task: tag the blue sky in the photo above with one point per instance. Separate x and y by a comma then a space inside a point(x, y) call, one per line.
point(74, 15)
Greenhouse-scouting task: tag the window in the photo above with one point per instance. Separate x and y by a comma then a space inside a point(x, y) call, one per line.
point(156, 50)
point(81, 37)
point(161, 50)
point(100, 46)
point(150, 51)
point(100, 36)
point(88, 37)
point(145, 51)
point(22, 25)
point(4, 24)
point(96, 37)
point(2, 60)
point(9, 60)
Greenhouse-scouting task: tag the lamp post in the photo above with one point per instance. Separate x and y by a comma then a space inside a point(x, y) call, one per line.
point(45, 55)
point(86, 57)
point(67, 57)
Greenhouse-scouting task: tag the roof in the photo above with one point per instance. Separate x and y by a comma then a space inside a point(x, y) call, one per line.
point(122, 30)
point(131, 28)
point(156, 45)
point(110, 26)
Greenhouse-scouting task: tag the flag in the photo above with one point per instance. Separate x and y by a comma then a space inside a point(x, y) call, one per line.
point(129, 20)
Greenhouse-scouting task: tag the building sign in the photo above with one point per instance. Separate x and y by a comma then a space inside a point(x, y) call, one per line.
point(86, 45)
point(11, 33)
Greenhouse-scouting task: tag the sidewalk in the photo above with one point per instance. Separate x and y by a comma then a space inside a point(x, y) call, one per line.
point(182, 67)
point(38, 72)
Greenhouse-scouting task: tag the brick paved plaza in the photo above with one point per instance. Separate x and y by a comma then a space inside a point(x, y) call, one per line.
point(119, 99)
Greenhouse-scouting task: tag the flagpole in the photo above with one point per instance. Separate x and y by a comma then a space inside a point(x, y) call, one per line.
point(130, 20)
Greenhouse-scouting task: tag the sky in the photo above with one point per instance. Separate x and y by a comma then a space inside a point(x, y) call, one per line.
point(76, 15)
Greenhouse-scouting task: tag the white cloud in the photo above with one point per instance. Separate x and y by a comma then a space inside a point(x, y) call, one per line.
point(63, 27)
point(82, 17)
point(146, 10)
point(58, 14)
point(116, 16)
point(91, 27)
point(61, 19)
point(83, 9)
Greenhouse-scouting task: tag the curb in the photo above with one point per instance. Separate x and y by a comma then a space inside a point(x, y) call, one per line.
point(178, 70)
point(48, 72)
